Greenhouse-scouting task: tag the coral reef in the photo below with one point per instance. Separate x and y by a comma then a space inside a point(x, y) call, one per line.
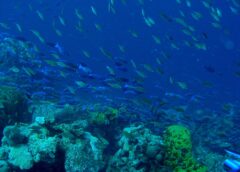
point(139, 150)
point(74, 147)
point(46, 127)
point(86, 156)
point(212, 160)
point(32, 142)
point(39, 144)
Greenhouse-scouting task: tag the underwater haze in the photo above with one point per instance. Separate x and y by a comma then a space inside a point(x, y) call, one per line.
point(120, 85)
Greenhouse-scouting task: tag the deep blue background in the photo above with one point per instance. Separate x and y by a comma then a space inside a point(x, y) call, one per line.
point(185, 65)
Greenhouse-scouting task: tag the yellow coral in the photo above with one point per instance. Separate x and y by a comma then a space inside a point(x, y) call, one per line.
point(105, 117)
point(178, 150)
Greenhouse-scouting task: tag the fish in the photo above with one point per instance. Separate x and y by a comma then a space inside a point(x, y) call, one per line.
point(81, 84)
point(171, 80)
point(173, 95)
point(233, 154)
point(111, 6)
point(40, 15)
point(133, 64)
point(83, 68)
point(148, 67)
point(132, 89)
point(59, 48)
point(93, 10)
point(182, 85)
point(106, 53)
point(78, 14)
point(29, 71)
point(19, 28)
point(140, 74)
point(86, 53)
point(58, 32)
point(110, 70)
point(61, 20)
point(38, 35)
point(14, 69)
point(134, 34)
point(114, 85)
point(156, 39)
point(148, 20)
point(122, 48)
point(56, 45)
point(98, 27)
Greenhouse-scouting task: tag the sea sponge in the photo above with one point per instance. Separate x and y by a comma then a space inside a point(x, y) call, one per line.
point(178, 150)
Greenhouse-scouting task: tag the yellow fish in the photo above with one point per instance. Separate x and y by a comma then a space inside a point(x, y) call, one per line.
point(77, 13)
point(81, 84)
point(86, 54)
point(182, 85)
point(40, 15)
point(115, 85)
point(38, 35)
point(61, 20)
point(94, 11)
point(110, 70)
point(19, 27)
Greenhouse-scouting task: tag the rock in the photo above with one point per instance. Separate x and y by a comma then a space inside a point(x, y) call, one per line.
point(44, 113)
point(139, 151)
point(20, 157)
point(4, 153)
point(29, 145)
point(14, 135)
point(24, 145)
point(40, 120)
point(42, 149)
point(79, 158)
point(97, 145)
point(4, 166)
point(152, 150)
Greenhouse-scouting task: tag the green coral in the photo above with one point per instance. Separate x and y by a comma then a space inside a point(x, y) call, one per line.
point(104, 117)
point(178, 150)
point(99, 118)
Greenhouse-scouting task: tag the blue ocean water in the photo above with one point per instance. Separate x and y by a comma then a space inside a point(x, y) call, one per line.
point(182, 52)
point(185, 63)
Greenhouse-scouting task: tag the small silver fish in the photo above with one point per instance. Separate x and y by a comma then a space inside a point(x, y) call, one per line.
point(235, 155)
